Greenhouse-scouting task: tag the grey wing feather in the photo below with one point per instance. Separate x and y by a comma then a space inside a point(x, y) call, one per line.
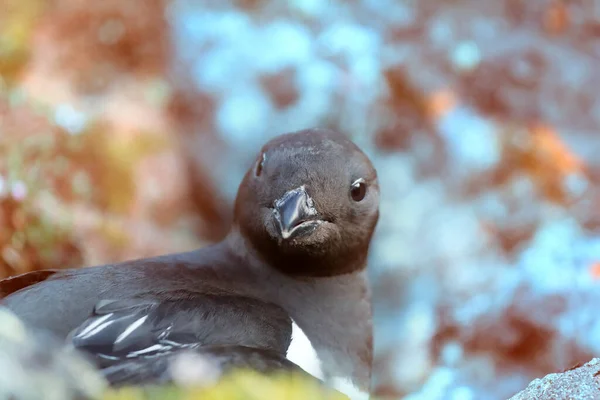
point(115, 330)
point(156, 370)
point(125, 329)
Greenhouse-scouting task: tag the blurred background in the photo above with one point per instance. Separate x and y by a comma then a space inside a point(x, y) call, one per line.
point(126, 126)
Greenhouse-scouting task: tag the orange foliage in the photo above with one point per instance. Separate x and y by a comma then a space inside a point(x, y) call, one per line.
point(595, 270)
point(98, 41)
point(440, 103)
point(551, 152)
point(539, 153)
point(556, 18)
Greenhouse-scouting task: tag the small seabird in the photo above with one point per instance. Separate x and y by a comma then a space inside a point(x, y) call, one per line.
point(304, 216)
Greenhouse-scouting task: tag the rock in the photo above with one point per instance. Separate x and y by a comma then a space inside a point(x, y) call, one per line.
point(35, 366)
point(582, 382)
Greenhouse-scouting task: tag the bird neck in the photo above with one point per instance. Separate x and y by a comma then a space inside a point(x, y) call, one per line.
point(334, 312)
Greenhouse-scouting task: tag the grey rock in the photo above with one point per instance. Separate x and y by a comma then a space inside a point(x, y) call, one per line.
point(581, 383)
point(35, 366)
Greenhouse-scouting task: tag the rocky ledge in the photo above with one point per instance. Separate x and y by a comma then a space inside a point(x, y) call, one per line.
point(581, 383)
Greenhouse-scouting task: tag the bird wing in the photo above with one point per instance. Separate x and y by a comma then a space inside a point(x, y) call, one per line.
point(121, 328)
point(131, 328)
point(15, 283)
point(158, 370)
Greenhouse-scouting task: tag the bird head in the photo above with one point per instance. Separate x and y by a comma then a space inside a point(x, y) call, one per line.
point(309, 204)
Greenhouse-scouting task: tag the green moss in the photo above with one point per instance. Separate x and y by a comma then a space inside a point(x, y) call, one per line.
point(242, 385)
point(114, 235)
point(17, 22)
point(97, 167)
point(110, 161)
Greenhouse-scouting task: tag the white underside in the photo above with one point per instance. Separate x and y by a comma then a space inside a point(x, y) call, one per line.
point(303, 354)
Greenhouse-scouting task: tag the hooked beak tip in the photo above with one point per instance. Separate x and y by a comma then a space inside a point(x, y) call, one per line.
point(292, 210)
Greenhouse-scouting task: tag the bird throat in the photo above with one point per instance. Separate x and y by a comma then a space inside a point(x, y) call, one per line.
point(333, 312)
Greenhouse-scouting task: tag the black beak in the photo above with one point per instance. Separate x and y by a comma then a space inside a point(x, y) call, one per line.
point(295, 213)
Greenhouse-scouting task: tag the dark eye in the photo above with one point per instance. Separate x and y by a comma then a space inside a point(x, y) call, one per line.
point(259, 165)
point(358, 190)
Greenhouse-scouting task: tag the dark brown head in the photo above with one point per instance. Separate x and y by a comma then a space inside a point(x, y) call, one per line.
point(309, 204)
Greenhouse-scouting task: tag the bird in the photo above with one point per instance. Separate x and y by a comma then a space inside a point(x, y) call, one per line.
point(303, 219)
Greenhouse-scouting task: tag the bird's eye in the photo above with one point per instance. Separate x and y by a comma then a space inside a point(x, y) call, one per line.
point(358, 191)
point(259, 165)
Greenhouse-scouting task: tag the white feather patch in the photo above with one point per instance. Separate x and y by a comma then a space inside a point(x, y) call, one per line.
point(96, 327)
point(130, 329)
point(302, 353)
